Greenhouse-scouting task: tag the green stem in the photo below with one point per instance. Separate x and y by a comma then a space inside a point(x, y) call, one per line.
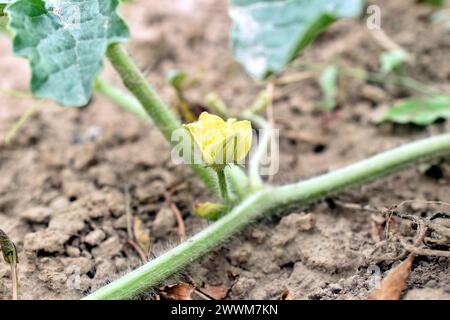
point(256, 182)
point(16, 93)
point(223, 187)
point(238, 180)
point(163, 119)
point(135, 81)
point(120, 98)
point(12, 133)
point(253, 207)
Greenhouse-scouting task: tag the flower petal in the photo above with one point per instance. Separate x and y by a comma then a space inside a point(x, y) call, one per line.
point(210, 121)
point(196, 132)
point(222, 151)
point(244, 136)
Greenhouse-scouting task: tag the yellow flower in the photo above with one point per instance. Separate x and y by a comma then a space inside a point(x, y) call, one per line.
point(221, 142)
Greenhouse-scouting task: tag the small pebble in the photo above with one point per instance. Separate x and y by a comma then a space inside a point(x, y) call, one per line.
point(108, 248)
point(73, 252)
point(335, 287)
point(36, 214)
point(303, 222)
point(95, 237)
point(164, 222)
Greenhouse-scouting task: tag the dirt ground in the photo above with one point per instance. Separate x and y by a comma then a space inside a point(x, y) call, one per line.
point(65, 177)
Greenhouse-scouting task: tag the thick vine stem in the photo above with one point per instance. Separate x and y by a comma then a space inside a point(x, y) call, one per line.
point(135, 81)
point(266, 200)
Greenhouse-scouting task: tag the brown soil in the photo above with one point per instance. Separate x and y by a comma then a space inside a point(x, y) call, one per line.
point(63, 180)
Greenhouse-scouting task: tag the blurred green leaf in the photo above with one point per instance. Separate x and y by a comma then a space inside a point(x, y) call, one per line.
point(393, 60)
point(268, 34)
point(176, 79)
point(442, 17)
point(435, 3)
point(419, 111)
point(261, 102)
point(217, 105)
point(329, 85)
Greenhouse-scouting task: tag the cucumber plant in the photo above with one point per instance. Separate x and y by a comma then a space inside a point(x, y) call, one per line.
point(66, 41)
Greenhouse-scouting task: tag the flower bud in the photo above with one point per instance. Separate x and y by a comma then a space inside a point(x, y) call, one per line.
point(209, 210)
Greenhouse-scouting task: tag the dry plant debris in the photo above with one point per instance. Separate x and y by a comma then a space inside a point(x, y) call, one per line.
point(394, 283)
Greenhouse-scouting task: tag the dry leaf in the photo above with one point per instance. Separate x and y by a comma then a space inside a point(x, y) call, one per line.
point(376, 232)
point(217, 293)
point(287, 295)
point(142, 236)
point(231, 276)
point(180, 291)
point(394, 283)
point(392, 225)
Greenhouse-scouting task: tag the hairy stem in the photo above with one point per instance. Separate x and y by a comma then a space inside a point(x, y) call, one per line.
point(238, 180)
point(266, 200)
point(223, 186)
point(135, 81)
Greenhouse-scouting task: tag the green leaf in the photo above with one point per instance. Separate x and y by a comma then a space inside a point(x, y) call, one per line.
point(328, 83)
point(268, 34)
point(176, 79)
point(392, 60)
point(442, 17)
point(435, 3)
point(419, 111)
point(65, 41)
point(8, 249)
